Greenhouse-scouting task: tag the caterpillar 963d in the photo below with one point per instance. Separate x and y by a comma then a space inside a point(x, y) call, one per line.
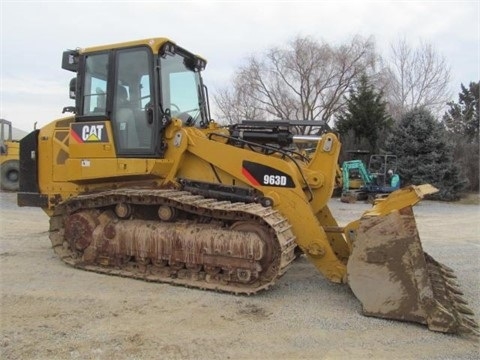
point(140, 182)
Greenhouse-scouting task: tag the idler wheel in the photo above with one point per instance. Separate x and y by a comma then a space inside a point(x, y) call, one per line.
point(79, 229)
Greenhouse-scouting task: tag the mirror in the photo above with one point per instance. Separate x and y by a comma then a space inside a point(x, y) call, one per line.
point(70, 60)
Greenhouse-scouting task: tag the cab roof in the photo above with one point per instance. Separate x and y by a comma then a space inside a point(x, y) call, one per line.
point(154, 43)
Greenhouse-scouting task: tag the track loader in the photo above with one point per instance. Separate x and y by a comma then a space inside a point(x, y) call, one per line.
point(139, 182)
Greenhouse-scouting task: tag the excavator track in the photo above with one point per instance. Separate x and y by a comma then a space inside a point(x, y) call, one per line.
point(175, 237)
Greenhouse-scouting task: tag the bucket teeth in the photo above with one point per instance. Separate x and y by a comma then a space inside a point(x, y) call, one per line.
point(447, 293)
point(469, 329)
point(463, 309)
point(452, 283)
point(459, 300)
point(455, 290)
point(469, 322)
point(446, 269)
point(448, 274)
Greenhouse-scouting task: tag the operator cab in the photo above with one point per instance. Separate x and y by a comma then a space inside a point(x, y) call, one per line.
point(139, 90)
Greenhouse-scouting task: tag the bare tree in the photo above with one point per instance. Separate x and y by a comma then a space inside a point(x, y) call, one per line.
point(419, 77)
point(306, 80)
point(236, 105)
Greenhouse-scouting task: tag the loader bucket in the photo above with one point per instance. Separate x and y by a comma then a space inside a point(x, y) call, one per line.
point(393, 277)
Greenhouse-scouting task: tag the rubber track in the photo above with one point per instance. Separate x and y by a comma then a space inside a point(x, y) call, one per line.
point(278, 226)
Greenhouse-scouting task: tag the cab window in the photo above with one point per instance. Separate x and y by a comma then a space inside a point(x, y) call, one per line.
point(181, 89)
point(95, 85)
point(134, 130)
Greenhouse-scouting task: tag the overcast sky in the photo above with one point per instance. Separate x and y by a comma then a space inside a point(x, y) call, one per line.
point(34, 34)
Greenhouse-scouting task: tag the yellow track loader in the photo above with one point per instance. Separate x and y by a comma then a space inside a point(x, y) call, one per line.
point(139, 182)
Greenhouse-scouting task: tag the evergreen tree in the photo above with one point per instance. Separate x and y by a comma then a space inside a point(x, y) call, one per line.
point(462, 121)
point(365, 116)
point(463, 117)
point(424, 154)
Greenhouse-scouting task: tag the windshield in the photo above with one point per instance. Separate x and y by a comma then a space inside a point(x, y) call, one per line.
point(181, 90)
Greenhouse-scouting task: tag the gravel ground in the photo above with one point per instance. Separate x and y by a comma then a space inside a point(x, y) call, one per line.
point(51, 311)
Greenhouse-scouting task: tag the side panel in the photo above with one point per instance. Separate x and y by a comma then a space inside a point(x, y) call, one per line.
point(92, 155)
point(29, 163)
point(29, 193)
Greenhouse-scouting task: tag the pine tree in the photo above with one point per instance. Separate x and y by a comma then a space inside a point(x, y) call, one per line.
point(365, 115)
point(462, 121)
point(424, 154)
point(463, 117)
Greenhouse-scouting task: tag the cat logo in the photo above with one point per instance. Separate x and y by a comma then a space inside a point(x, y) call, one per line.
point(89, 132)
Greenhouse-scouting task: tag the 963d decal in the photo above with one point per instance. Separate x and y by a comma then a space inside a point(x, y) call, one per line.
point(262, 175)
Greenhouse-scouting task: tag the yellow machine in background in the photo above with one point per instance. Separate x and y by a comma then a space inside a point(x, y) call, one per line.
point(140, 182)
point(9, 157)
